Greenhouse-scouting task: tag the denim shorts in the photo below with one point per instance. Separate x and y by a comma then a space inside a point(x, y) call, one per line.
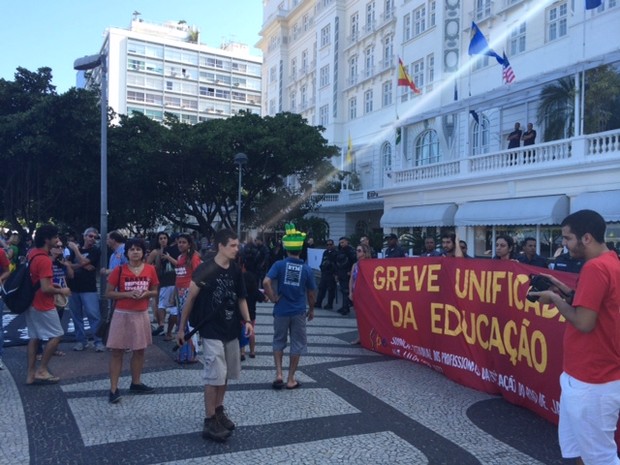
point(295, 325)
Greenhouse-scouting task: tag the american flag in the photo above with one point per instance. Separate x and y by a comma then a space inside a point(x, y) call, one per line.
point(507, 73)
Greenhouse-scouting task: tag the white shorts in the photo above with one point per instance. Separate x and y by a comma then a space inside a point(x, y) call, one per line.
point(167, 300)
point(588, 419)
point(43, 325)
point(222, 361)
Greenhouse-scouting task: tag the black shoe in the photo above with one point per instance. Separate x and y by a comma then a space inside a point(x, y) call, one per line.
point(328, 307)
point(114, 397)
point(141, 388)
point(158, 331)
point(213, 430)
point(223, 419)
point(242, 358)
point(317, 306)
point(343, 311)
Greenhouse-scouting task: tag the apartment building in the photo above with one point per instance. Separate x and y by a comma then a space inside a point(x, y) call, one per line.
point(158, 68)
point(438, 159)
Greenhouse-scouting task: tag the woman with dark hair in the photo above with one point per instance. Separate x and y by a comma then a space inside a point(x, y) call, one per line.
point(504, 248)
point(166, 300)
point(131, 286)
point(188, 261)
point(362, 252)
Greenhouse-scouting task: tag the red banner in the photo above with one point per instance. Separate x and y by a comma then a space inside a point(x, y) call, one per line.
point(468, 319)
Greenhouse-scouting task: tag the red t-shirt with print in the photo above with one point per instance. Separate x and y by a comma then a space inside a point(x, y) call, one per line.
point(41, 268)
point(184, 272)
point(4, 261)
point(129, 281)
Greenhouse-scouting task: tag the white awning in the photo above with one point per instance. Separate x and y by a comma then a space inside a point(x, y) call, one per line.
point(523, 211)
point(421, 215)
point(607, 203)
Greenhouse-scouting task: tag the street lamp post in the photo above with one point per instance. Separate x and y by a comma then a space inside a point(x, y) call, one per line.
point(240, 160)
point(83, 64)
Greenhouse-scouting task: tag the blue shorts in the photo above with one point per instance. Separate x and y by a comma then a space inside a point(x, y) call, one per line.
point(296, 326)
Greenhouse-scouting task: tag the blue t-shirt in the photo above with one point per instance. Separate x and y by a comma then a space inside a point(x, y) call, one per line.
point(294, 278)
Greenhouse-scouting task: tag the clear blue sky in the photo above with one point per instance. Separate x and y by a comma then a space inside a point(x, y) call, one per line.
point(54, 33)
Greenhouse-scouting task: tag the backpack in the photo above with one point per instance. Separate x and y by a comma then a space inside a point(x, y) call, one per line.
point(18, 290)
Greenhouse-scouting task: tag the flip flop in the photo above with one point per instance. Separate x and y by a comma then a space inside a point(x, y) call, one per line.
point(51, 379)
point(295, 386)
point(277, 384)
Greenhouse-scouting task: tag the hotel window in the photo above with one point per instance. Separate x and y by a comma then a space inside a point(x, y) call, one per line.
point(355, 26)
point(304, 97)
point(387, 93)
point(417, 74)
point(305, 21)
point(368, 101)
point(369, 59)
point(273, 74)
point(389, 9)
point(557, 21)
point(432, 7)
point(427, 148)
point(407, 26)
point(430, 68)
point(419, 20)
point(481, 136)
point(324, 76)
point(304, 61)
point(293, 101)
point(370, 16)
point(324, 115)
point(517, 40)
point(353, 108)
point(353, 70)
point(325, 36)
point(388, 51)
point(483, 9)
point(386, 156)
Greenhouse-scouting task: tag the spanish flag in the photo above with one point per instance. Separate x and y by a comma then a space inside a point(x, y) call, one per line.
point(350, 150)
point(404, 79)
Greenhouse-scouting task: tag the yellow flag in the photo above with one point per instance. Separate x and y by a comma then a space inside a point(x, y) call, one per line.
point(350, 150)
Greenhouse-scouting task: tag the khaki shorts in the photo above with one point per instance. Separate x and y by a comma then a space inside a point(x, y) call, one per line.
point(221, 361)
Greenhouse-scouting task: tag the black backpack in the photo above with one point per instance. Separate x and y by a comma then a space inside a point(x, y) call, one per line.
point(18, 290)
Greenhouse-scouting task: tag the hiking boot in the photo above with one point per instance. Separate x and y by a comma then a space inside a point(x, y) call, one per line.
point(79, 347)
point(114, 397)
point(141, 388)
point(214, 431)
point(223, 419)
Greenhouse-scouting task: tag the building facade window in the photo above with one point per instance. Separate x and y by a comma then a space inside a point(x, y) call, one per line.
point(294, 68)
point(483, 9)
point(370, 16)
point(303, 95)
point(368, 101)
point(355, 26)
point(353, 69)
point(273, 74)
point(304, 61)
point(432, 13)
point(388, 8)
point(369, 61)
point(481, 136)
point(419, 20)
point(386, 156)
point(293, 101)
point(388, 51)
point(430, 68)
point(517, 40)
point(387, 93)
point(353, 108)
point(324, 115)
point(417, 74)
point(557, 17)
point(407, 27)
point(324, 76)
point(427, 148)
point(325, 36)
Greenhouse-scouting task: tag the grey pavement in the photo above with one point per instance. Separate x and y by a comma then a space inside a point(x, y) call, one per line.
point(354, 407)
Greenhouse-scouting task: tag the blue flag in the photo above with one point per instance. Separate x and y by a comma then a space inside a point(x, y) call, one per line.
point(479, 45)
point(591, 4)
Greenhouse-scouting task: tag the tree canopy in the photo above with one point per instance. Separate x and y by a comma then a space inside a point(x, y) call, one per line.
point(157, 173)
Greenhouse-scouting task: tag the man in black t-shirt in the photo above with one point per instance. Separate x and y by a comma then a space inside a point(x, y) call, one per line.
point(84, 300)
point(219, 292)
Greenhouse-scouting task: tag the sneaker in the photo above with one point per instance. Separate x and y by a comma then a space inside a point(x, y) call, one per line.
point(141, 388)
point(114, 397)
point(223, 419)
point(158, 331)
point(89, 345)
point(214, 431)
point(79, 347)
point(99, 347)
point(1, 364)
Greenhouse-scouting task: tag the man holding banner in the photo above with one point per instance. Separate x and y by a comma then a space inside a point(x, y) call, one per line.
point(590, 382)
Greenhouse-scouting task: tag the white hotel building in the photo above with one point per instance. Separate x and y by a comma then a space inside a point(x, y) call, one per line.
point(157, 68)
point(336, 63)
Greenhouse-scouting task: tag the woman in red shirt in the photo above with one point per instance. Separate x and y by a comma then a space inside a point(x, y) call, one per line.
point(131, 286)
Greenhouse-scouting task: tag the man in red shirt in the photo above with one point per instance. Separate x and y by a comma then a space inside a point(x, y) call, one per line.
point(590, 400)
point(42, 318)
point(4, 273)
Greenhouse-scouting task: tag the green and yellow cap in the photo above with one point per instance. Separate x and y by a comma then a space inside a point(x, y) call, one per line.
point(293, 240)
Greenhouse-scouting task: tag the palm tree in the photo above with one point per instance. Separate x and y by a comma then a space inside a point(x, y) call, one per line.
point(556, 108)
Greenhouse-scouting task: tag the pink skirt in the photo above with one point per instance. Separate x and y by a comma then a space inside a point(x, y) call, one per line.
point(129, 330)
